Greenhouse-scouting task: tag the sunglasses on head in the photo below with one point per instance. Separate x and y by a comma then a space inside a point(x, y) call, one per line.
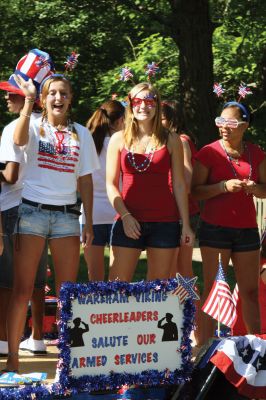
point(148, 101)
point(229, 122)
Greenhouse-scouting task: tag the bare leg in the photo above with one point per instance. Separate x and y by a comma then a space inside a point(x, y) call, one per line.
point(160, 262)
point(184, 267)
point(124, 263)
point(210, 257)
point(174, 264)
point(65, 255)
point(184, 261)
point(37, 311)
point(247, 269)
point(94, 256)
point(26, 260)
point(5, 295)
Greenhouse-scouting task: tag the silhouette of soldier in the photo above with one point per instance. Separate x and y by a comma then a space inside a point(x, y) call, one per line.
point(76, 339)
point(170, 329)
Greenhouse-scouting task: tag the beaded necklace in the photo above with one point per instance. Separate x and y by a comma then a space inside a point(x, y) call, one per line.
point(146, 162)
point(229, 158)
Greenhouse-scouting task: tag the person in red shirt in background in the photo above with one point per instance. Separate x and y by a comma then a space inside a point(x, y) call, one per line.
point(227, 174)
point(182, 263)
point(150, 206)
point(170, 120)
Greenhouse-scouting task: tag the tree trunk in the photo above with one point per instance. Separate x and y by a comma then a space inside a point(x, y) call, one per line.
point(192, 31)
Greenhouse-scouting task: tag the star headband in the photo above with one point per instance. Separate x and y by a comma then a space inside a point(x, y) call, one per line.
point(243, 90)
point(151, 70)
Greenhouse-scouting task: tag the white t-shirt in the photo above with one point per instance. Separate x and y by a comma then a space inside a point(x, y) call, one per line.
point(11, 193)
point(103, 212)
point(54, 163)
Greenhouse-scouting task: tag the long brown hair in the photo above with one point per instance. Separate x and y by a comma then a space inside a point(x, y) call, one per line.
point(131, 124)
point(171, 113)
point(100, 124)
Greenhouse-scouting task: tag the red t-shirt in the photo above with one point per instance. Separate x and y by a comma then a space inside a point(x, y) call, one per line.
point(148, 195)
point(192, 204)
point(236, 210)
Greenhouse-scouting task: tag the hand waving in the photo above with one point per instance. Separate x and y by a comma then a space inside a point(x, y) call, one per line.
point(27, 87)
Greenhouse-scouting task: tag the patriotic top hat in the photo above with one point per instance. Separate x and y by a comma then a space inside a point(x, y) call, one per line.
point(36, 65)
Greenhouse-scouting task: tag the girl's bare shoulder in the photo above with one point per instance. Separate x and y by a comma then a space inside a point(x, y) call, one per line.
point(117, 137)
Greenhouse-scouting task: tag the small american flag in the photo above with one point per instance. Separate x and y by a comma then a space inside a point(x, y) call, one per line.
point(152, 69)
point(71, 61)
point(220, 304)
point(218, 89)
point(125, 74)
point(243, 91)
point(235, 294)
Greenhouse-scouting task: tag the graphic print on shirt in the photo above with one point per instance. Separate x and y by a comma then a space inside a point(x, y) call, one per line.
point(59, 157)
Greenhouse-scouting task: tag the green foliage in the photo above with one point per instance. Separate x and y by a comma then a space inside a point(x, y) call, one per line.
point(238, 49)
point(153, 48)
point(110, 34)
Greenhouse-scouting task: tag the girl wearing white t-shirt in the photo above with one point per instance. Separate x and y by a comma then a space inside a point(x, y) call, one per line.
point(59, 154)
point(106, 120)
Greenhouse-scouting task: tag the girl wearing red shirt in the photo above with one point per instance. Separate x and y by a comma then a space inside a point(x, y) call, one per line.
point(227, 174)
point(153, 197)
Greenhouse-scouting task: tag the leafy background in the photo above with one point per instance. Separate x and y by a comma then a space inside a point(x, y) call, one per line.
point(111, 34)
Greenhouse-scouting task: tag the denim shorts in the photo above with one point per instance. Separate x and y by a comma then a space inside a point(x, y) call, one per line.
point(46, 223)
point(235, 239)
point(163, 235)
point(102, 234)
point(9, 219)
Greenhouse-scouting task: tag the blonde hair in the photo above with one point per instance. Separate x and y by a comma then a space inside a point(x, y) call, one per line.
point(45, 90)
point(131, 124)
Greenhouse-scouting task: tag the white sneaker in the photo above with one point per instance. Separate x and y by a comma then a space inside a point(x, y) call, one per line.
point(3, 348)
point(34, 346)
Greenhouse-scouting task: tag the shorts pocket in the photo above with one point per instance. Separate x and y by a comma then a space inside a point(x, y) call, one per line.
point(26, 209)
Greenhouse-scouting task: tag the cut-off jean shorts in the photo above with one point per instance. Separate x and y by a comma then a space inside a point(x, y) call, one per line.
point(9, 219)
point(46, 223)
point(235, 239)
point(164, 235)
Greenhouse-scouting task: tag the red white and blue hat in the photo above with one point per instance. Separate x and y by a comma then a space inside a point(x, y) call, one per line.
point(36, 65)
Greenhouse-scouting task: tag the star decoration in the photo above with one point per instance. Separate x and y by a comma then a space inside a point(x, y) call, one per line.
point(259, 364)
point(244, 353)
point(185, 288)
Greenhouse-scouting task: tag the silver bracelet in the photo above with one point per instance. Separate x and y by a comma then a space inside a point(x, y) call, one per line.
point(25, 115)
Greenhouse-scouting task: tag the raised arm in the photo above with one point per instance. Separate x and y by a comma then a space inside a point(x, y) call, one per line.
point(21, 133)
